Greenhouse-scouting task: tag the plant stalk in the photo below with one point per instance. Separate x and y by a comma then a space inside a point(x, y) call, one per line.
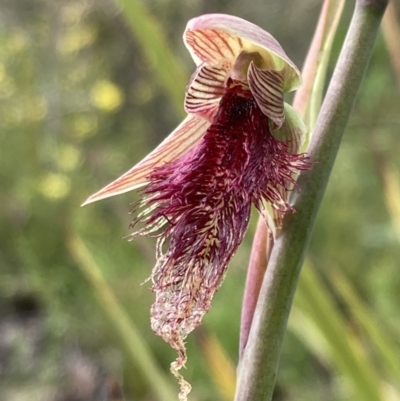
point(314, 65)
point(259, 366)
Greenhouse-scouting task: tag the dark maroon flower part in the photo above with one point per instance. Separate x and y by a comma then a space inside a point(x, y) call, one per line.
point(200, 203)
point(240, 145)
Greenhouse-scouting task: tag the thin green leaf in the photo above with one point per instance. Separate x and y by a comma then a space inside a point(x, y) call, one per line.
point(308, 332)
point(345, 352)
point(137, 347)
point(161, 59)
point(391, 34)
point(333, 17)
point(220, 367)
point(308, 98)
point(384, 346)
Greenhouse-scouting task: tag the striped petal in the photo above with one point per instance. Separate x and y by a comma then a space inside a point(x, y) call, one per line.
point(180, 141)
point(267, 89)
point(251, 38)
point(204, 91)
point(212, 45)
point(293, 130)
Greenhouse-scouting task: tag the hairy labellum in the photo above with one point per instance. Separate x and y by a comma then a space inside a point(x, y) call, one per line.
point(238, 146)
point(201, 203)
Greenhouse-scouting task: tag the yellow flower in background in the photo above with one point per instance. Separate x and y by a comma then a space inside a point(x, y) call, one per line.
point(106, 96)
point(54, 186)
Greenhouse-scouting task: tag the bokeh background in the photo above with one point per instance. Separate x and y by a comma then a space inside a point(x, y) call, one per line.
point(80, 103)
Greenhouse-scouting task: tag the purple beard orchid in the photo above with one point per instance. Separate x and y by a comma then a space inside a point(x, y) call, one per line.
point(239, 146)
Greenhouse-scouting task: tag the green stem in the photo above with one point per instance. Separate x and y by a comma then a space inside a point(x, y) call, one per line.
point(318, 53)
point(259, 366)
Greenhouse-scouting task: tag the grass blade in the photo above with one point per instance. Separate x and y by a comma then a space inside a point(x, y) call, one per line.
point(139, 352)
point(221, 368)
point(384, 346)
point(164, 64)
point(344, 348)
point(391, 33)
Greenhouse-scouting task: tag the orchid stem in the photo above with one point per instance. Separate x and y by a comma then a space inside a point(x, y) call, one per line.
point(262, 244)
point(257, 267)
point(259, 366)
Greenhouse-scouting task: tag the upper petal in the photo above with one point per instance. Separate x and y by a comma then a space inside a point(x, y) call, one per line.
point(180, 141)
point(267, 89)
point(212, 37)
point(204, 91)
point(212, 45)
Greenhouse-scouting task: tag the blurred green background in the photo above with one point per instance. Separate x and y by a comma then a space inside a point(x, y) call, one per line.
point(84, 94)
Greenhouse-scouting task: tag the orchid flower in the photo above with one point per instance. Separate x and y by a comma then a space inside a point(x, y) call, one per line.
point(238, 147)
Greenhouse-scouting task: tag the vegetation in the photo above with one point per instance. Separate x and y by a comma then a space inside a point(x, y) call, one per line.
point(84, 94)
